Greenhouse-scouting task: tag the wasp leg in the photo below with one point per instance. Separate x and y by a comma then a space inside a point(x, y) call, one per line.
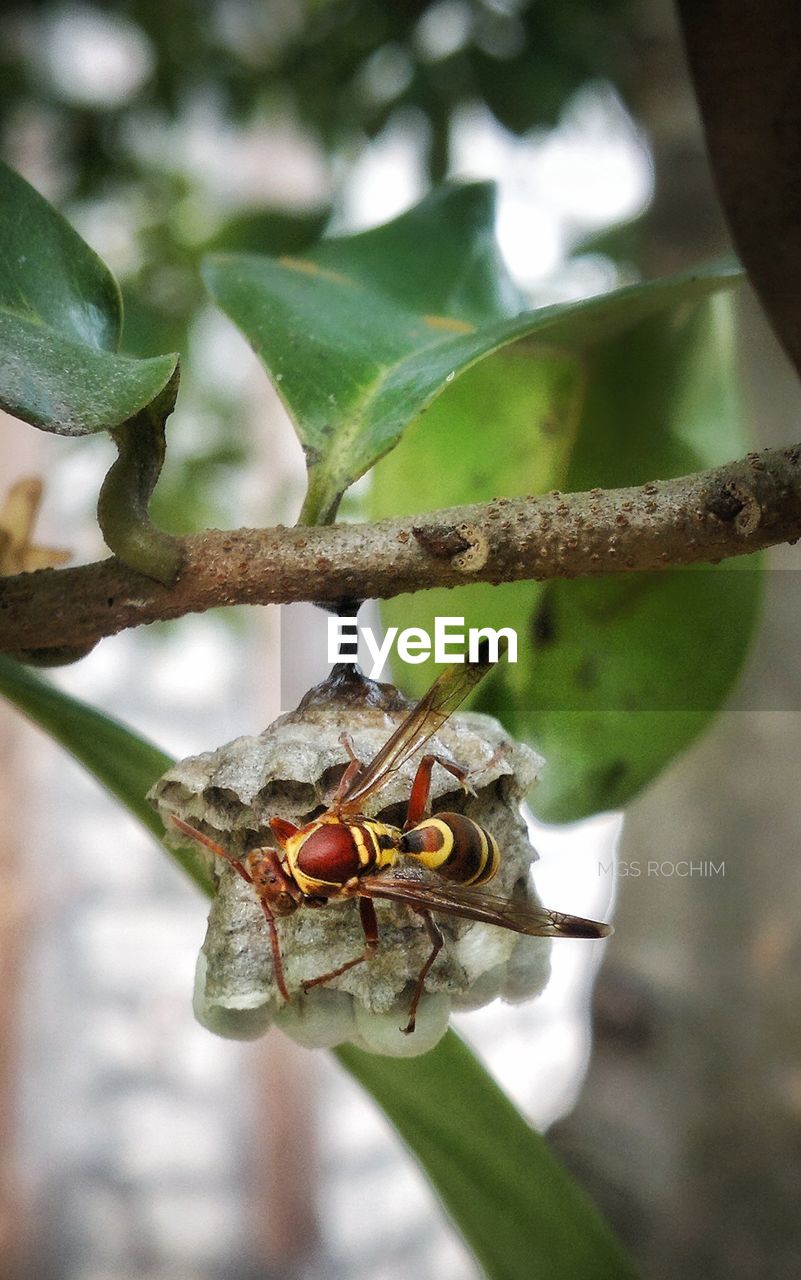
point(370, 926)
point(275, 947)
point(421, 787)
point(347, 743)
point(351, 772)
point(268, 855)
point(436, 946)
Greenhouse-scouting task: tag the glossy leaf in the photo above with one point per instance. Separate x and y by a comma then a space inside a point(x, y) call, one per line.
point(514, 1204)
point(124, 763)
point(269, 230)
point(363, 333)
point(616, 675)
point(60, 323)
point(517, 1208)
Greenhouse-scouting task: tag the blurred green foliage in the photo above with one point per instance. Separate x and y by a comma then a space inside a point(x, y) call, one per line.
point(341, 67)
point(336, 71)
point(338, 68)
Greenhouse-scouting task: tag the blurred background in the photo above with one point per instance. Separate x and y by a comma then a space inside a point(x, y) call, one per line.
point(134, 1143)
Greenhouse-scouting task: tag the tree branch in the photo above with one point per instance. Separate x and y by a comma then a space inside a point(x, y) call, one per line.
point(728, 511)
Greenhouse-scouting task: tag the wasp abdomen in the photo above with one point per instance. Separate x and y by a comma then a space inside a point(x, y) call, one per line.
point(455, 847)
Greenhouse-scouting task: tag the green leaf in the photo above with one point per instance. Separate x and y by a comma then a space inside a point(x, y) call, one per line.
point(509, 1197)
point(269, 230)
point(359, 334)
point(364, 332)
point(630, 679)
point(60, 323)
point(615, 675)
point(124, 763)
point(440, 258)
point(558, 50)
point(517, 1208)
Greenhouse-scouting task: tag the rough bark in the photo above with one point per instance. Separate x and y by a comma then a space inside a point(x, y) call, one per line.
point(728, 511)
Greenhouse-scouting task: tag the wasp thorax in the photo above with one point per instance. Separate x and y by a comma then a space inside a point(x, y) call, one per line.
point(290, 772)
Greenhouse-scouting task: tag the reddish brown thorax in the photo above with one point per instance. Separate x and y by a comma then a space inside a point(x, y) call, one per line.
point(330, 854)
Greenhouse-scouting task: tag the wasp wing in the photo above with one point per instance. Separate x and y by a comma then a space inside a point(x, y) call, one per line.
point(447, 692)
point(473, 904)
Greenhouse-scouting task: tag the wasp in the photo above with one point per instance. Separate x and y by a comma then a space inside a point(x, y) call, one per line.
point(342, 854)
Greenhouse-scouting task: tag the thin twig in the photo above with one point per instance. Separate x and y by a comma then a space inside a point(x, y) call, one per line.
point(728, 511)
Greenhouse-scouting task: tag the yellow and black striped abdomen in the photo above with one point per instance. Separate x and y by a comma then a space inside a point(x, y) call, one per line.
point(455, 847)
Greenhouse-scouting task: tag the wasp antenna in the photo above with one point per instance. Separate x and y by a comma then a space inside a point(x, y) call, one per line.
point(201, 838)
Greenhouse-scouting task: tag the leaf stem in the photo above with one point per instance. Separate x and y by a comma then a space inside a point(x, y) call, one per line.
point(319, 507)
point(122, 507)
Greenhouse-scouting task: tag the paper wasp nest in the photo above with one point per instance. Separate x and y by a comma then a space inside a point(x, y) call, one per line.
point(291, 771)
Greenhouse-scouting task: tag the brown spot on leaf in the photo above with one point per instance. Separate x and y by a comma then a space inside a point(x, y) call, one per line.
point(448, 324)
point(310, 268)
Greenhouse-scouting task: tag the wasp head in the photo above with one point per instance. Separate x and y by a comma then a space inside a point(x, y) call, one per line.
point(272, 884)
